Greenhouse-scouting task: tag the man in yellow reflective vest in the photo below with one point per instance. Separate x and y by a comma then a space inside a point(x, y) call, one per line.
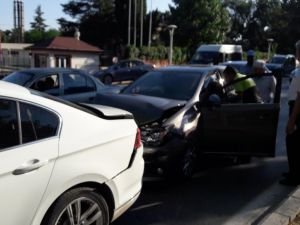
point(245, 89)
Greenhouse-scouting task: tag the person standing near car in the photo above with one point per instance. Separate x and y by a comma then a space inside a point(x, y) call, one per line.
point(264, 80)
point(293, 129)
point(250, 62)
point(245, 88)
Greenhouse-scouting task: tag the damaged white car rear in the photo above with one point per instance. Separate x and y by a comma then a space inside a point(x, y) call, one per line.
point(64, 164)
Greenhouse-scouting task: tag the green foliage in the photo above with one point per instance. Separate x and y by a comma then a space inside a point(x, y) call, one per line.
point(34, 36)
point(158, 53)
point(199, 21)
point(39, 22)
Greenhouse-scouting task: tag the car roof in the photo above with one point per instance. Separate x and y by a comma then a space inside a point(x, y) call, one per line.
point(283, 56)
point(44, 71)
point(12, 90)
point(242, 63)
point(188, 68)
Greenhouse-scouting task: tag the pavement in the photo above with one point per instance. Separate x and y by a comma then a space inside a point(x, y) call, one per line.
point(223, 194)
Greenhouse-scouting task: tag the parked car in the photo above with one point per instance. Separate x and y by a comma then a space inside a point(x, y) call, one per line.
point(242, 67)
point(284, 64)
point(125, 70)
point(69, 84)
point(65, 164)
point(181, 117)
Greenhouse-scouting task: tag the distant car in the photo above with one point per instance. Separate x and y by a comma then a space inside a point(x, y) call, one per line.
point(182, 112)
point(125, 70)
point(242, 67)
point(284, 64)
point(70, 84)
point(65, 164)
point(216, 53)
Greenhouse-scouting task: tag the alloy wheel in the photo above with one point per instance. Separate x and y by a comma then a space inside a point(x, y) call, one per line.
point(81, 211)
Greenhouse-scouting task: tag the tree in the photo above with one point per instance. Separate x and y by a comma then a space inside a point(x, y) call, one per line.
point(39, 21)
point(34, 36)
point(207, 22)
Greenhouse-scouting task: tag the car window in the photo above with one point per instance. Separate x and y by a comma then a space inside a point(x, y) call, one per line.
point(77, 83)
point(123, 64)
point(48, 84)
point(9, 128)
point(170, 84)
point(37, 123)
point(20, 78)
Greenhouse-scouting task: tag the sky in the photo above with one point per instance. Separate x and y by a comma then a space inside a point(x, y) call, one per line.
point(52, 10)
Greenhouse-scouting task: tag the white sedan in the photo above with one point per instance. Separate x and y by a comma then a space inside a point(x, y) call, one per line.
point(63, 164)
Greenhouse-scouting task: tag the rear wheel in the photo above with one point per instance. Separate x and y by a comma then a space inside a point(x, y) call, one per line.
point(107, 79)
point(78, 207)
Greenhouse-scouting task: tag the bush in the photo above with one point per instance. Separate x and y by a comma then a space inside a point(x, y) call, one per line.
point(158, 53)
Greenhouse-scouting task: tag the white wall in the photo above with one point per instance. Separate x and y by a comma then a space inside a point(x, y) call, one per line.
point(87, 61)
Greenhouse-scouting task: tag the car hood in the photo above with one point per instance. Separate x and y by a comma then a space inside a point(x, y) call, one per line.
point(145, 109)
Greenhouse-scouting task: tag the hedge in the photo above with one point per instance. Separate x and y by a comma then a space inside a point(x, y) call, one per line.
point(180, 55)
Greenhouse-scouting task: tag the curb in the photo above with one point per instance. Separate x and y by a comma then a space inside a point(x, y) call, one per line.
point(286, 212)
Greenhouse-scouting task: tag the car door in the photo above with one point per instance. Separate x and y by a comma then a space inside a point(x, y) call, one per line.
point(239, 129)
point(28, 149)
point(78, 87)
point(123, 71)
point(137, 69)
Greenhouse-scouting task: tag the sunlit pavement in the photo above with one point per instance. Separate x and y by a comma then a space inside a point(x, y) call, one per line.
point(236, 194)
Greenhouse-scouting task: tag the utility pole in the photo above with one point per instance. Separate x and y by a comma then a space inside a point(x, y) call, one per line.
point(142, 23)
point(135, 17)
point(150, 26)
point(129, 22)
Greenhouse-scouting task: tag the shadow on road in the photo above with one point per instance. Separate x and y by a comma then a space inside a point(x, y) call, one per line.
point(210, 197)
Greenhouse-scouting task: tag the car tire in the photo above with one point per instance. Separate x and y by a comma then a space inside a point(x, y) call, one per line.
point(107, 79)
point(188, 162)
point(184, 166)
point(90, 205)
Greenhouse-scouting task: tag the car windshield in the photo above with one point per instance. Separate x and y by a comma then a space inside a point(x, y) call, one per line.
point(20, 78)
point(179, 85)
point(204, 57)
point(278, 60)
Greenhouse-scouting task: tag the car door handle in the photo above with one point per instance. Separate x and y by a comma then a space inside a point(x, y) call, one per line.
point(29, 166)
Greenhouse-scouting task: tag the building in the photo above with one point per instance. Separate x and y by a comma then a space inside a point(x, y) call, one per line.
point(65, 52)
point(15, 55)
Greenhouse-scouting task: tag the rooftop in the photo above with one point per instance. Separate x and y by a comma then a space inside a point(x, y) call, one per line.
point(65, 44)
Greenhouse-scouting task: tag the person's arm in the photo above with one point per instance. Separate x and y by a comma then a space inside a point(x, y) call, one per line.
point(293, 118)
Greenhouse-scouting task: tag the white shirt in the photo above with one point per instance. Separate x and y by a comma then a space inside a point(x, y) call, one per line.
point(266, 86)
point(295, 86)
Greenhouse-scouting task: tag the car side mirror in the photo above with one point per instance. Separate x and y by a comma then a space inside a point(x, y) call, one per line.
point(214, 100)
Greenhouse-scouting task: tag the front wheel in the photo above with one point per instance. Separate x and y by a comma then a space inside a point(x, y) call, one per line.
point(107, 79)
point(188, 162)
point(78, 207)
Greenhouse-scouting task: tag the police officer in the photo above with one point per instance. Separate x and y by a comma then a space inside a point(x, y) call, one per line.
point(245, 88)
point(293, 129)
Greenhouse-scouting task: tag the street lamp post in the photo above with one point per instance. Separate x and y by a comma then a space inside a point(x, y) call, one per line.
point(150, 26)
point(129, 22)
point(270, 41)
point(171, 29)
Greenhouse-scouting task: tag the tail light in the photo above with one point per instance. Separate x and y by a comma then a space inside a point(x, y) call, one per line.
point(138, 141)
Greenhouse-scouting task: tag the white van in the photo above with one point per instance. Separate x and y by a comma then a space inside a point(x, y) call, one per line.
point(217, 53)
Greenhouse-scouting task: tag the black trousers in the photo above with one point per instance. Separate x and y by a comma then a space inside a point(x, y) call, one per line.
point(293, 154)
point(293, 150)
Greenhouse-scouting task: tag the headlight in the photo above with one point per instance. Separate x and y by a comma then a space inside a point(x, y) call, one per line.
point(190, 120)
point(153, 134)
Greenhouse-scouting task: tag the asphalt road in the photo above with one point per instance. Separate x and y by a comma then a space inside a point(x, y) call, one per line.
point(226, 194)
